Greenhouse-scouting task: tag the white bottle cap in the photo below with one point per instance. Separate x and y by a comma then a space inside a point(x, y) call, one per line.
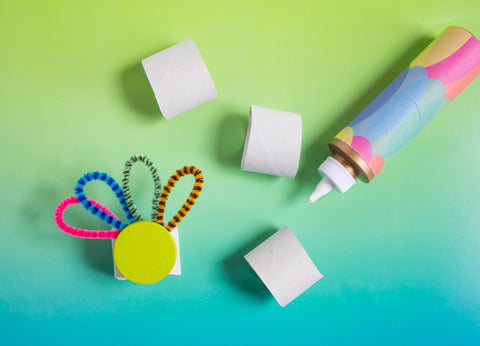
point(334, 175)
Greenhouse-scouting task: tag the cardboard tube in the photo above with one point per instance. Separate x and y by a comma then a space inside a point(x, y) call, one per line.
point(434, 79)
point(179, 79)
point(284, 266)
point(273, 142)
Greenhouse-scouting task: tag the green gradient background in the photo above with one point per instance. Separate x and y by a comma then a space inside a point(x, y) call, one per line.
point(400, 256)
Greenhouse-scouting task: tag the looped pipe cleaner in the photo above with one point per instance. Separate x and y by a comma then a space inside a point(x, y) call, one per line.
point(144, 251)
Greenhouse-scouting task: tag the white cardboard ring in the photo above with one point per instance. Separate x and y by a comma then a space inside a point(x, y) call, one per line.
point(273, 142)
point(179, 79)
point(284, 266)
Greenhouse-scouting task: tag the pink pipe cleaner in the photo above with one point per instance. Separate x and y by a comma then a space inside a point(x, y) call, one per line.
point(78, 232)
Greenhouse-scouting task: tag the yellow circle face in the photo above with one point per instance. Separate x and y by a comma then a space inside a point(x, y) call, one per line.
point(144, 252)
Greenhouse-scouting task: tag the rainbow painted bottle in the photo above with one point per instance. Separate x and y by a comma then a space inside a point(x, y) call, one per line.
point(438, 75)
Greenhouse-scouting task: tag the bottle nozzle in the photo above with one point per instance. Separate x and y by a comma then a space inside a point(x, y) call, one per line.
point(324, 186)
point(334, 174)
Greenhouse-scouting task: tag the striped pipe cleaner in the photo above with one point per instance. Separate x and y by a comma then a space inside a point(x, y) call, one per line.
point(94, 210)
point(78, 232)
point(126, 186)
point(192, 198)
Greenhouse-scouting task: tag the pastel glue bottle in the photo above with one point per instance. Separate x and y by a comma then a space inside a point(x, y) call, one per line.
point(438, 75)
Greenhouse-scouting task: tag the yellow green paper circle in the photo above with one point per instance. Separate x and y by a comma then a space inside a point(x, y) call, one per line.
point(144, 252)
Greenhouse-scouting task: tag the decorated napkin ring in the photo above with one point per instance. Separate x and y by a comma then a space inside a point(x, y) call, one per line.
point(144, 251)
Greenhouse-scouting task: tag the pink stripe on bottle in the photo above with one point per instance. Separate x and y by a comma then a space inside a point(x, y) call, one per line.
point(454, 89)
point(457, 65)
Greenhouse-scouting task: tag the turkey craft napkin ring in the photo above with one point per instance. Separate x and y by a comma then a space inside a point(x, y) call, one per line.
point(144, 251)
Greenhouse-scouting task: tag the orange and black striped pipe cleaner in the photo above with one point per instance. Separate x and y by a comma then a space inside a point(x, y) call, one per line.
point(192, 198)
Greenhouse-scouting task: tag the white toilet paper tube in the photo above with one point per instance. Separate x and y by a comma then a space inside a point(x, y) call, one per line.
point(273, 142)
point(179, 79)
point(177, 267)
point(284, 266)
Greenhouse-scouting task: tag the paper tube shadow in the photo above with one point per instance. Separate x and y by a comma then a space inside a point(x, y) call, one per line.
point(314, 154)
point(231, 137)
point(240, 274)
point(37, 208)
point(138, 92)
point(97, 252)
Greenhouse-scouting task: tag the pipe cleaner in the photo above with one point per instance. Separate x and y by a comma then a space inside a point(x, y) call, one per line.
point(144, 251)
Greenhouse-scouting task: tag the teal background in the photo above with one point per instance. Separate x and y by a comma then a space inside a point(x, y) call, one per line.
point(400, 256)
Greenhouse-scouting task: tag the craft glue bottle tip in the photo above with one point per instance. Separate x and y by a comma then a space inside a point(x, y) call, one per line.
point(324, 186)
point(337, 172)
